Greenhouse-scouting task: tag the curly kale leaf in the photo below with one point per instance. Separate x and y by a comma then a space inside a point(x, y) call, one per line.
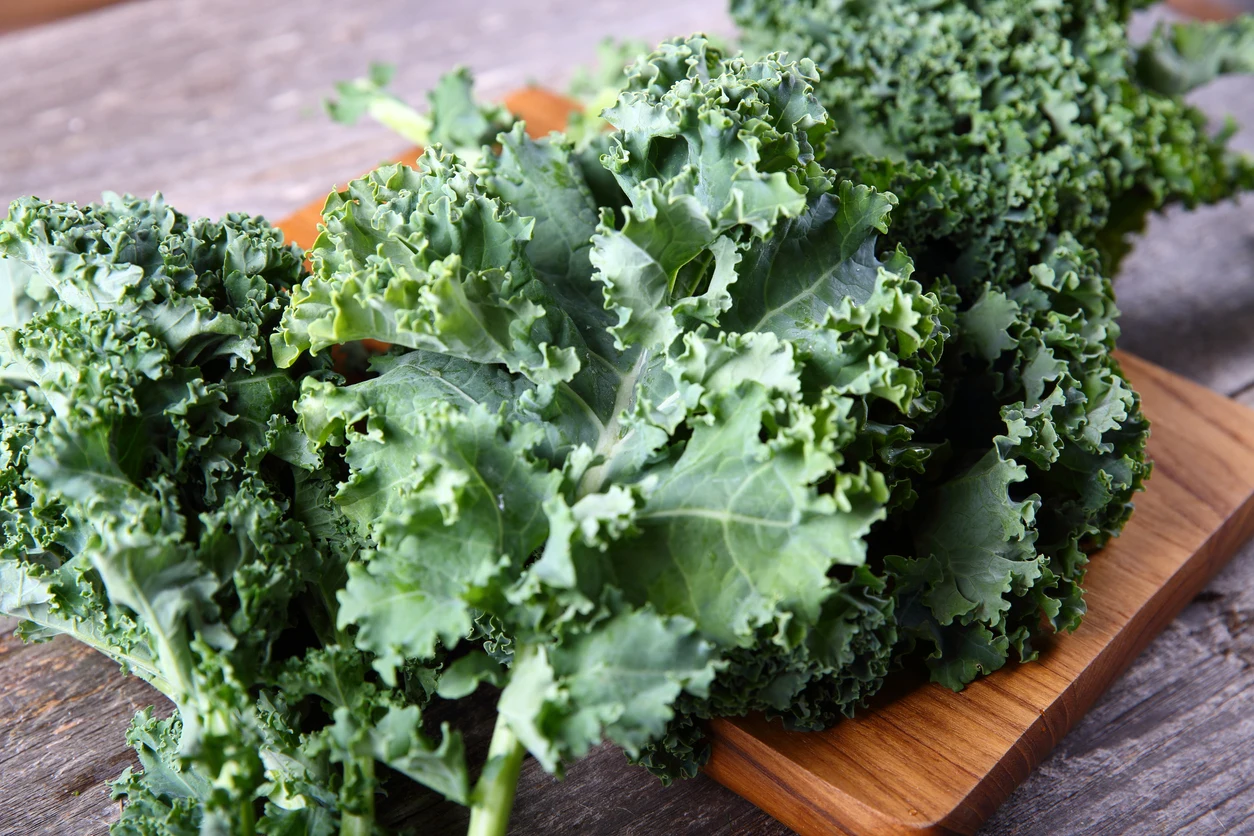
point(422, 258)
point(1183, 56)
point(686, 423)
point(1000, 547)
point(158, 503)
point(1000, 125)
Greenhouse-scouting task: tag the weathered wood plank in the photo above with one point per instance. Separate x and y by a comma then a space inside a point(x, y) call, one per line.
point(64, 710)
point(217, 103)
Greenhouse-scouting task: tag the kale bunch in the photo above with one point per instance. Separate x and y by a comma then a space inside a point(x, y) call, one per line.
point(158, 503)
point(667, 428)
point(626, 440)
point(707, 399)
point(1002, 125)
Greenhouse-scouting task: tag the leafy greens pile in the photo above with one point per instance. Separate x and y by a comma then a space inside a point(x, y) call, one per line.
point(160, 505)
point(665, 432)
point(1001, 125)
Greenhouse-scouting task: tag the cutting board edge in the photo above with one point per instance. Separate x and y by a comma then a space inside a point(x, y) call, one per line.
point(1069, 707)
point(749, 767)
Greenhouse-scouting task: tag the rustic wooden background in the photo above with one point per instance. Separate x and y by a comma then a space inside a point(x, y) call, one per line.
point(216, 103)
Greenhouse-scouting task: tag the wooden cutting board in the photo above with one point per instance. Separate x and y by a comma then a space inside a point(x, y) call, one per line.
point(927, 760)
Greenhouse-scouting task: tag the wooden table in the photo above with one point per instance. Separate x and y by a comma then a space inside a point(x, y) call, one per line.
point(216, 103)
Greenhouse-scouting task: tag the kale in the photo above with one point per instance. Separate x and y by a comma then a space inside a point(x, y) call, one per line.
point(684, 418)
point(1002, 125)
point(158, 503)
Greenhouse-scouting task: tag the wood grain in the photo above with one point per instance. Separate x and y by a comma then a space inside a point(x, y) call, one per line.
point(218, 103)
point(66, 709)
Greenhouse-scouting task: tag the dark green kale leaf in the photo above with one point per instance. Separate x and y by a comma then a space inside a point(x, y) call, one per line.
point(1000, 547)
point(671, 422)
point(158, 503)
point(1001, 125)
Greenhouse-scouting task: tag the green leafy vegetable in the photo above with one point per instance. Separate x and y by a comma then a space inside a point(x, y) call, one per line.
point(669, 428)
point(1001, 125)
point(706, 399)
point(159, 504)
point(455, 120)
point(1184, 56)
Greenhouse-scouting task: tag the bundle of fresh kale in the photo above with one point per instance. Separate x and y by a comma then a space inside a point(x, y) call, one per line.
point(1002, 125)
point(666, 431)
point(160, 505)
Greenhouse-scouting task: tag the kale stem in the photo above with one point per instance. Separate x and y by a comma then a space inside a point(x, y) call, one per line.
point(355, 825)
point(361, 824)
point(494, 795)
point(247, 823)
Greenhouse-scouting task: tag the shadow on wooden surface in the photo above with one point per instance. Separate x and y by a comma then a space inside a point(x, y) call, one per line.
point(18, 14)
